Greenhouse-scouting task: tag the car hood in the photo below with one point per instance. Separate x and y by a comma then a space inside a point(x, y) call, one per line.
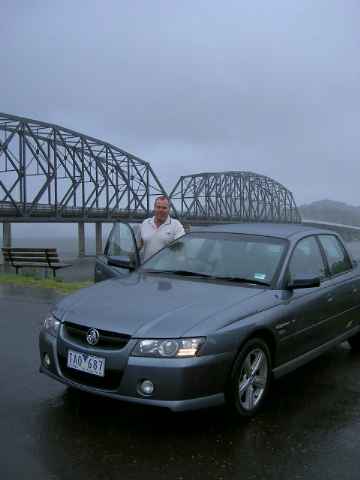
point(148, 305)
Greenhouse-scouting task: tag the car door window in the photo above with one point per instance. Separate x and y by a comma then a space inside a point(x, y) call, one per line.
point(121, 241)
point(307, 259)
point(336, 256)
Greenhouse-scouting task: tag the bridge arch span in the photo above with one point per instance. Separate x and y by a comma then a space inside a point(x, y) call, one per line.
point(45, 167)
point(233, 196)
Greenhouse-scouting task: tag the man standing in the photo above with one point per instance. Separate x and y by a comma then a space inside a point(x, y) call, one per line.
point(161, 229)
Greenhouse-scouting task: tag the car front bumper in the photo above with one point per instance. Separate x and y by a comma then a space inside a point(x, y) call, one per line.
point(179, 383)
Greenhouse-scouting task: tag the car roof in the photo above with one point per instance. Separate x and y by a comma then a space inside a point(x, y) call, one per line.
point(279, 230)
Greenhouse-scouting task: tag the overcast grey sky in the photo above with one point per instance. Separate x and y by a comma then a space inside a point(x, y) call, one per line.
point(271, 86)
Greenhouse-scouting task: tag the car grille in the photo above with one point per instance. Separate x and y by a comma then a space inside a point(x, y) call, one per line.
point(111, 340)
point(110, 381)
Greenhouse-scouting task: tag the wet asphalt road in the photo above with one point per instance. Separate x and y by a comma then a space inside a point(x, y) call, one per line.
point(309, 429)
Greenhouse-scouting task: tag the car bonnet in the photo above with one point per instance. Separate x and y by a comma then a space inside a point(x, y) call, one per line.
point(146, 305)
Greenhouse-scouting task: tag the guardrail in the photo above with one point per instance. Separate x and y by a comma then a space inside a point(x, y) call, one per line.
point(348, 232)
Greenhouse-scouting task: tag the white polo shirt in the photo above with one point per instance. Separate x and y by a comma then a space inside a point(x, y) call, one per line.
point(155, 238)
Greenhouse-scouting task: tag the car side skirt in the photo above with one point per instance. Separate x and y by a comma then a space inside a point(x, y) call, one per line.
point(312, 354)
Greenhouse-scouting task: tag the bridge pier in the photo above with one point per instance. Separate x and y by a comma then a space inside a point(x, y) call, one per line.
point(6, 242)
point(6, 234)
point(81, 238)
point(98, 233)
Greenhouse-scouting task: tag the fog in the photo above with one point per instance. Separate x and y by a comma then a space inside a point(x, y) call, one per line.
point(271, 87)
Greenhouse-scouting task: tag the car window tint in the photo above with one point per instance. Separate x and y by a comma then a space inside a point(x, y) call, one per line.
point(136, 228)
point(307, 260)
point(120, 241)
point(335, 254)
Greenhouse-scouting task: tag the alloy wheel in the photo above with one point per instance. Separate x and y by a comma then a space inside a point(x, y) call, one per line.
point(253, 379)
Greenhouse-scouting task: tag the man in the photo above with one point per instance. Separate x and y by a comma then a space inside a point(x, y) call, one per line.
point(161, 229)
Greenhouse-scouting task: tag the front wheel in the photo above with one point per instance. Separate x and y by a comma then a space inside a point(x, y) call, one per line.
point(250, 378)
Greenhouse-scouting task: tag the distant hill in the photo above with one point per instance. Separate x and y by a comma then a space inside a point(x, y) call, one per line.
point(331, 211)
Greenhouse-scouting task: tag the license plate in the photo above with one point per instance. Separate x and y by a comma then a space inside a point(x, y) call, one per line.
point(86, 363)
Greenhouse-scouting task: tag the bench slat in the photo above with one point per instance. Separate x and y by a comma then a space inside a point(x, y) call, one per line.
point(31, 264)
point(31, 255)
point(33, 259)
point(20, 249)
point(42, 264)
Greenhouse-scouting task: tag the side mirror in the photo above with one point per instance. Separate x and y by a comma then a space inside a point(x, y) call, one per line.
point(305, 281)
point(122, 261)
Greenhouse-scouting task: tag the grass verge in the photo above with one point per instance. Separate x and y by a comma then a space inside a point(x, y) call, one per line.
point(31, 281)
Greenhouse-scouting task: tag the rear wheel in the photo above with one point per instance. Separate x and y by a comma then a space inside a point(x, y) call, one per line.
point(355, 342)
point(250, 378)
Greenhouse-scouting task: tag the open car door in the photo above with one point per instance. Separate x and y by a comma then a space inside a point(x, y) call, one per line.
point(121, 254)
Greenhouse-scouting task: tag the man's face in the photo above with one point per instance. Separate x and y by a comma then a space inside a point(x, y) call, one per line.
point(161, 210)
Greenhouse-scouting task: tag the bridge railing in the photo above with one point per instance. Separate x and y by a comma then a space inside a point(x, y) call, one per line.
point(29, 211)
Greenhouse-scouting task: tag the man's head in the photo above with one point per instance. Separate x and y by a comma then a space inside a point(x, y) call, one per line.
point(161, 209)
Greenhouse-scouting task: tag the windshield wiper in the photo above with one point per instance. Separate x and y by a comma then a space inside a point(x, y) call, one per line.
point(185, 273)
point(245, 280)
point(189, 273)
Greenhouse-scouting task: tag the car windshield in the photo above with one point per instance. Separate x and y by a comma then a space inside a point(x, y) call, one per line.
point(235, 257)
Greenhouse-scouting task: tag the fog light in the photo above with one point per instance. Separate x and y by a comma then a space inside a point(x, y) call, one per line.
point(146, 387)
point(47, 360)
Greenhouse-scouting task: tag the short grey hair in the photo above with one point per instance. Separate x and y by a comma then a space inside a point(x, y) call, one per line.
point(162, 197)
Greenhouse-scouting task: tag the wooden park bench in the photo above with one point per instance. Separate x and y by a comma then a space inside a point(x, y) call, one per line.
point(33, 258)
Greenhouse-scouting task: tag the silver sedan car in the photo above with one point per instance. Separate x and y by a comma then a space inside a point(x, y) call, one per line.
point(212, 317)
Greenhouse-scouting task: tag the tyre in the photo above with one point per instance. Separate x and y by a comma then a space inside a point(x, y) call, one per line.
point(250, 378)
point(355, 342)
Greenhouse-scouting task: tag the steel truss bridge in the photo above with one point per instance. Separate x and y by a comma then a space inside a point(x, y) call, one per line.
point(54, 173)
point(49, 173)
point(233, 196)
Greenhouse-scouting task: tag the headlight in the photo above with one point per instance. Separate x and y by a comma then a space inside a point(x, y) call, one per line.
point(170, 348)
point(51, 325)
